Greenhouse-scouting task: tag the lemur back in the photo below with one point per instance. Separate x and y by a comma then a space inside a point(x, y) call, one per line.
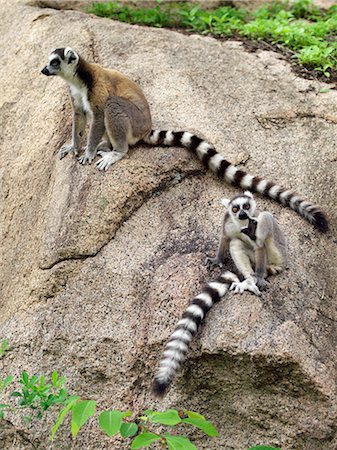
point(121, 115)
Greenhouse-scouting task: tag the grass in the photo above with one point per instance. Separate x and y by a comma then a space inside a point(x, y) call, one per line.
point(307, 31)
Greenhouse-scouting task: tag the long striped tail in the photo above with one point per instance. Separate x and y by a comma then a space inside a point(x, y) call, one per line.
point(225, 170)
point(177, 346)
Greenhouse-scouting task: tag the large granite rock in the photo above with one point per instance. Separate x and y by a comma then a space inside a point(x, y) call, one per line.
point(95, 269)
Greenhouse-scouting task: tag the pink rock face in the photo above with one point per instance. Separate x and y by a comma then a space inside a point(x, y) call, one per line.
point(96, 268)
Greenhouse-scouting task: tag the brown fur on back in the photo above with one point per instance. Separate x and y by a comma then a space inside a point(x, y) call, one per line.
point(107, 83)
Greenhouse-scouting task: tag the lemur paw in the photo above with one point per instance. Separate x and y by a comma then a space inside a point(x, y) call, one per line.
point(250, 230)
point(108, 158)
point(273, 270)
point(210, 262)
point(68, 148)
point(85, 159)
point(247, 285)
point(261, 283)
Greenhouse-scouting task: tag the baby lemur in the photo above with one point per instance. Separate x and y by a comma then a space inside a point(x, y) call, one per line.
point(119, 113)
point(252, 240)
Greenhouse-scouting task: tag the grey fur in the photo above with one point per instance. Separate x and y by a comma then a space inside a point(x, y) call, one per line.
point(266, 250)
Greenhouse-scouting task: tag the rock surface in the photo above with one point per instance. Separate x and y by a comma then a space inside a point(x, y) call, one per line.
point(95, 269)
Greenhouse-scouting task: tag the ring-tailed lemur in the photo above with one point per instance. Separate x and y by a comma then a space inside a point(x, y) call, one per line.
point(121, 115)
point(250, 239)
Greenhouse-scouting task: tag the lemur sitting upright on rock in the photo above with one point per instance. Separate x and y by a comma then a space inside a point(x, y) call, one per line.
point(252, 240)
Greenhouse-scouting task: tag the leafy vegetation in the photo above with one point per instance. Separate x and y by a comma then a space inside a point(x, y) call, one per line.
point(36, 396)
point(308, 31)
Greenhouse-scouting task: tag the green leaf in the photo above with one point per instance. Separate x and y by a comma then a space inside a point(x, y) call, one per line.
point(16, 394)
point(4, 347)
point(71, 401)
point(2, 405)
point(8, 380)
point(2, 414)
point(194, 415)
point(169, 417)
point(54, 377)
point(144, 440)
point(179, 443)
point(42, 380)
point(324, 90)
point(128, 429)
point(110, 422)
point(25, 378)
point(81, 412)
point(203, 425)
point(4, 344)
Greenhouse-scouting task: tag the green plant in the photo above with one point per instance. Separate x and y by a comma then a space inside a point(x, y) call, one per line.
point(4, 347)
point(141, 429)
point(158, 16)
point(263, 447)
point(308, 31)
point(37, 396)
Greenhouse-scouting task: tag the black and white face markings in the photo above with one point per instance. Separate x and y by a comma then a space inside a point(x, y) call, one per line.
point(254, 242)
point(177, 346)
point(241, 207)
point(61, 62)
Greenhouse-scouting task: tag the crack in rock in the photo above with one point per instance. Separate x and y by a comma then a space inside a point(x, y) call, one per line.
point(281, 120)
point(176, 178)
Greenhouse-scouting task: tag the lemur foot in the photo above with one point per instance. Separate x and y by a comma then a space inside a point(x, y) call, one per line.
point(68, 148)
point(273, 270)
point(108, 158)
point(210, 262)
point(246, 285)
point(87, 158)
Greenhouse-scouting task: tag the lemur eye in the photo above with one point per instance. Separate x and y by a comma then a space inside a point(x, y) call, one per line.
point(54, 62)
point(246, 206)
point(235, 209)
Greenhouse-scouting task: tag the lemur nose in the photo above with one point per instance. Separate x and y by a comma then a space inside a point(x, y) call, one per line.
point(243, 215)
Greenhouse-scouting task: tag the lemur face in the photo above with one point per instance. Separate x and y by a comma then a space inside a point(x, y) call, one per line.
point(62, 62)
point(241, 207)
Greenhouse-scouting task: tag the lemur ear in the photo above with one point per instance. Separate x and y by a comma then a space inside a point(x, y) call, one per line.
point(70, 55)
point(225, 202)
point(248, 194)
